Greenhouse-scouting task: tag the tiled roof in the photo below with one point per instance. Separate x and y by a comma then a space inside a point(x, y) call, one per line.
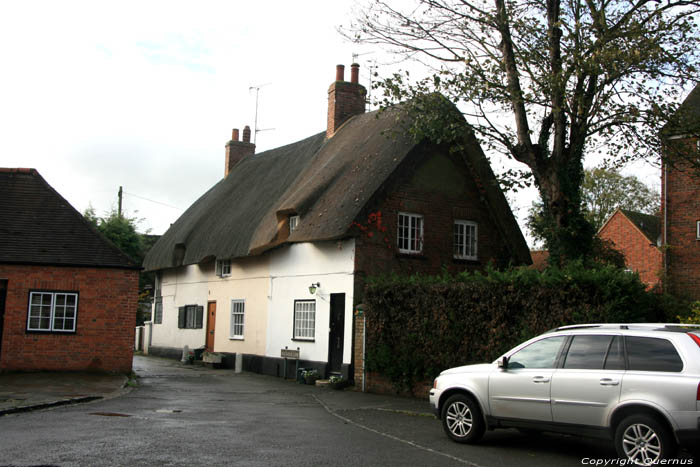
point(38, 226)
point(649, 225)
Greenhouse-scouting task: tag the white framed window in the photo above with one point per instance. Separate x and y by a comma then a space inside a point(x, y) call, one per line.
point(190, 317)
point(697, 230)
point(465, 239)
point(237, 319)
point(223, 267)
point(304, 319)
point(293, 223)
point(52, 311)
point(410, 233)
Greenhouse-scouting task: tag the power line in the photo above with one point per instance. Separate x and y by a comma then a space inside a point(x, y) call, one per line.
point(153, 201)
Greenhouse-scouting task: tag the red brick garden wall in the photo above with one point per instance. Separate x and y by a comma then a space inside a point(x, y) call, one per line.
point(104, 336)
point(641, 255)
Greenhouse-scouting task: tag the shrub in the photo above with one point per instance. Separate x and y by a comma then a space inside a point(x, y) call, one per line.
point(419, 325)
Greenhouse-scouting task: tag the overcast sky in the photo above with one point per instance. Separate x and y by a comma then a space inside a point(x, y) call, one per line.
point(97, 95)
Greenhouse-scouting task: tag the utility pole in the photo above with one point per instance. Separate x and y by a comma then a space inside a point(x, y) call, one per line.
point(120, 202)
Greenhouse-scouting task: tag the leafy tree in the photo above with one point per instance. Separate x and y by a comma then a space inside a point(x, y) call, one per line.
point(543, 82)
point(120, 230)
point(602, 192)
point(605, 190)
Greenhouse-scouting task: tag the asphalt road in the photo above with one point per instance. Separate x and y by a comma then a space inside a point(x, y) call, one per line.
point(191, 416)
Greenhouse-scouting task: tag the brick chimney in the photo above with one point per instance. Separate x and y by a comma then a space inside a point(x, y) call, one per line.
point(237, 150)
point(345, 99)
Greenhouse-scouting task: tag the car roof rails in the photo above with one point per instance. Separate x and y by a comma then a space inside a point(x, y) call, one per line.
point(648, 326)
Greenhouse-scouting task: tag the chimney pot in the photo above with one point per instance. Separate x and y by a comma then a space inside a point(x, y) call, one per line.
point(340, 72)
point(246, 134)
point(234, 137)
point(355, 73)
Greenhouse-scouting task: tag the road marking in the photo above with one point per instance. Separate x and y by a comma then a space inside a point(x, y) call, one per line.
point(387, 435)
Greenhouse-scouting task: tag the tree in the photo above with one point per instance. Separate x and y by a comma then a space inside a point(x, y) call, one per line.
point(121, 231)
point(605, 190)
point(602, 192)
point(571, 77)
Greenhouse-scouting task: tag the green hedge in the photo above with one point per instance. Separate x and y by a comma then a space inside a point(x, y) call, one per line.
point(418, 326)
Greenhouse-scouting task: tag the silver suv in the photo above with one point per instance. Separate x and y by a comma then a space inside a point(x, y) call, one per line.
point(635, 384)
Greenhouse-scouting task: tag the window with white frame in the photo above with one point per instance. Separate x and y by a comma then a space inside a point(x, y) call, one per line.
point(52, 311)
point(223, 267)
point(237, 318)
point(465, 235)
point(410, 233)
point(697, 230)
point(293, 223)
point(304, 319)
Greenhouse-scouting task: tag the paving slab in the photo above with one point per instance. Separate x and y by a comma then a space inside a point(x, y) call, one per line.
point(22, 392)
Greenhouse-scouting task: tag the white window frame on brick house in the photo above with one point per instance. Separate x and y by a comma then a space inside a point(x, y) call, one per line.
point(465, 239)
point(304, 320)
point(293, 223)
point(409, 233)
point(237, 320)
point(223, 267)
point(697, 230)
point(52, 311)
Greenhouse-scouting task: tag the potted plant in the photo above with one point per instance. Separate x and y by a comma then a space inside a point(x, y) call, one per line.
point(310, 376)
point(338, 382)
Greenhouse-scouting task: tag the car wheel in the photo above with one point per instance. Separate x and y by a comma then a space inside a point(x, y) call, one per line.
point(462, 419)
point(643, 440)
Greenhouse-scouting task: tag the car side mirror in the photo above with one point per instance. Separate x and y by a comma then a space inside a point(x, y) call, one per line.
point(503, 363)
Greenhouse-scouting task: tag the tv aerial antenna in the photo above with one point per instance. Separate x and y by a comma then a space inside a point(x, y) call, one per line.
point(372, 67)
point(257, 96)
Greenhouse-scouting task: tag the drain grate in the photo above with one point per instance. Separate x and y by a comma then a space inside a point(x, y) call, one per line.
point(110, 414)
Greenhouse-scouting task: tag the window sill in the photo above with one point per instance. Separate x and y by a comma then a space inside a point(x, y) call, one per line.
point(418, 256)
point(466, 260)
point(297, 339)
point(236, 338)
point(47, 331)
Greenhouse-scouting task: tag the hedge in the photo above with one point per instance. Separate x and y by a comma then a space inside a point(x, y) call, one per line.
point(418, 326)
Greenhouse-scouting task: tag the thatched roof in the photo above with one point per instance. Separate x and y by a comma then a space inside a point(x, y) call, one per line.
point(38, 226)
point(325, 181)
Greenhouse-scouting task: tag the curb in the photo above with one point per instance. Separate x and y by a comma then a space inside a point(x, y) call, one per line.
point(46, 405)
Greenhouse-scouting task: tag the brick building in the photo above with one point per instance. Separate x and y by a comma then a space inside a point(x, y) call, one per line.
point(277, 252)
point(67, 295)
point(638, 237)
point(680, 199)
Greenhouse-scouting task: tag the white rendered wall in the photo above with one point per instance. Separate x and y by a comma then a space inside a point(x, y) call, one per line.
point(293, 269)
point(179, 287)
point(249, 281)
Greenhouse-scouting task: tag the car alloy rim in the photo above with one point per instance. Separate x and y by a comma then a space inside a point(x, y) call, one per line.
point(641, 444)
point(459, 419)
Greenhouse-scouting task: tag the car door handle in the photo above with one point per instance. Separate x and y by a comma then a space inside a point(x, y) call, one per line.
point(609, 382)
point(540, 379)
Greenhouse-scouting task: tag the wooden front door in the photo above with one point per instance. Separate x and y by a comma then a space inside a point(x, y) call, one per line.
point(211, 324)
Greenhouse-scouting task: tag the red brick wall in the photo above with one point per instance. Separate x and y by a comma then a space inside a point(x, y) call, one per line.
point(104, 336)
point(440, 188)
point(683, 212)
point(641, 255)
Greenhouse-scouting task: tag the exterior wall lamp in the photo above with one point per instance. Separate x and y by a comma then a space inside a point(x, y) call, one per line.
point(313, 287)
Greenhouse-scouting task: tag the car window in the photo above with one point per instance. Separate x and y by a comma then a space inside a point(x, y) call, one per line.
point(616, 356)
point(652, 354)
point(587, 352)
point(539, 354)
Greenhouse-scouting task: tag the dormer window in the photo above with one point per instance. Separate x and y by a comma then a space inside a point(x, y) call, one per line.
point(293, 223)
point(223, 267)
